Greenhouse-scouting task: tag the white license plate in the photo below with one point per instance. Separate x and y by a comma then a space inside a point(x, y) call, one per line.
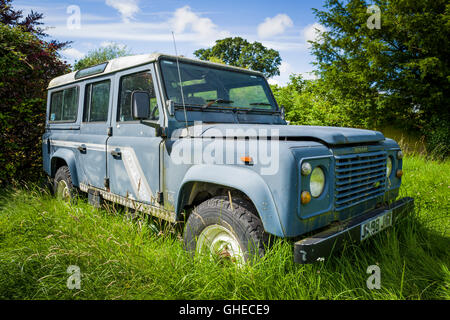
point(375, 225)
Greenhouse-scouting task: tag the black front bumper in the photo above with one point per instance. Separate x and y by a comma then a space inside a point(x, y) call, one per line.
point(321, 245)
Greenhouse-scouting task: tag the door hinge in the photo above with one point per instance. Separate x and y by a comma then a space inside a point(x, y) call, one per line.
point(106, 183)
point(160, 197)
point(109, 131)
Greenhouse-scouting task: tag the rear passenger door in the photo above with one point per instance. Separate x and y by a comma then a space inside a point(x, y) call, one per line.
point(94, 131)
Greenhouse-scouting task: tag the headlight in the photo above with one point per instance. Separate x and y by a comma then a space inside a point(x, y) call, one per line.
point(317, 182)
point(388, 167)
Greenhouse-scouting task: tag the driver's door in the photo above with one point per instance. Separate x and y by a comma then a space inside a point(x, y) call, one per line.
point(133, 149)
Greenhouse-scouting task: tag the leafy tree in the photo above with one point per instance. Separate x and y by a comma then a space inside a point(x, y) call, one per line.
point(397, 74)
point(310, 102)
point(102, 54)
point(27, 63)
point(241, 53)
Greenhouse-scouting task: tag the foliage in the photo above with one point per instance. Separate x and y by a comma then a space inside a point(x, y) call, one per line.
point(397, 74)
point(27, 63)
point(125, 258)
point(101, 55)
point(241, 53)
point(310, 102)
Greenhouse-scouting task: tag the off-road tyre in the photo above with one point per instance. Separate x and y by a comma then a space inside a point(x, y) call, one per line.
point(239, 217)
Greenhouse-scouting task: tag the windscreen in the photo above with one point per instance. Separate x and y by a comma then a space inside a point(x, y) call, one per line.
point(211, 87)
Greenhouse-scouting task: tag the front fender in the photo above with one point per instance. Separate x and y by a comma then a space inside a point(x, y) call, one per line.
point(69, 157)
point(242, 179)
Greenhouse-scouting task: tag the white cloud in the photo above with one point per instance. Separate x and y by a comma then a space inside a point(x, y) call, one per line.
point(274, 26)
point(126, 8)
point(112, 43)
point(72, 53)
point(285, 67)
point(188, 25)
point(313, 32)
point(185, 20)
point(272, 81)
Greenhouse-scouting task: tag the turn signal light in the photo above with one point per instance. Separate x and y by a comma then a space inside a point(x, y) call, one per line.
point(305, 197)
point(399, 173)
point(247, 159)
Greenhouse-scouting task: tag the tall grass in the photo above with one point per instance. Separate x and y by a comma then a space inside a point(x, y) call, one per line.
point(125, 256)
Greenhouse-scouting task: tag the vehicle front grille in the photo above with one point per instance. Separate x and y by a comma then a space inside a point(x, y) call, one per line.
point(359, 177)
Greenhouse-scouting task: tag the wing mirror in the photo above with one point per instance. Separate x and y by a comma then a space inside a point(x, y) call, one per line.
point(140, 104)
point(141, 111)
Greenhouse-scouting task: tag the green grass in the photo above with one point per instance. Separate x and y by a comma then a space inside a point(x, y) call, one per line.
point(125, 258)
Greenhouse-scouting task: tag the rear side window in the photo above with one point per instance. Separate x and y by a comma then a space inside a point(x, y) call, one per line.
point(96, 102)
point(64, 105)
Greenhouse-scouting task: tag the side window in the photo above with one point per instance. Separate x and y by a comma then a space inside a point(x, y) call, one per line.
point(96, 102)
point(138, 81)
point(64, 105)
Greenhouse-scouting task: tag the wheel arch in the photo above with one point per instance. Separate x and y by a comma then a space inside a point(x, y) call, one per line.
point(211, 178)
point(64, 157)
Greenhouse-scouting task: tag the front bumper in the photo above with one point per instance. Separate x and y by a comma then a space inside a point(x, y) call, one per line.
point(321, 245)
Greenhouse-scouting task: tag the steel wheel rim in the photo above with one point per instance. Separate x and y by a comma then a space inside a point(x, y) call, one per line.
point(219, 241)
point(62, 190)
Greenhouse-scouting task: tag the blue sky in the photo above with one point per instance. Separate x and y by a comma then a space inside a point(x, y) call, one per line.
point(146, 26)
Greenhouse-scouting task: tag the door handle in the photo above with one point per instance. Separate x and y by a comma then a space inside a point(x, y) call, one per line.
point(82, 148)
point(116, 153)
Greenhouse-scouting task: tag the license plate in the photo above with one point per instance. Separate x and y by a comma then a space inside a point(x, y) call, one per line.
point(375, 225)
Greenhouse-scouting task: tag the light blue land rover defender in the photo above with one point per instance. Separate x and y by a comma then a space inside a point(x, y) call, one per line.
point(206, 144)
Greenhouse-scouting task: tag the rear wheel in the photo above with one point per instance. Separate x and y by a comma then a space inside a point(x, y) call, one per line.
point(62, 184)
point(228, 230)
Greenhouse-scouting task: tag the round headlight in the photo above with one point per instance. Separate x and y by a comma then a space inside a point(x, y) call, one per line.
point(388, 167)
point(317, 182)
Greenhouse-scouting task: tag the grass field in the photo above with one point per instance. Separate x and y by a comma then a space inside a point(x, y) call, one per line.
point(124, 258)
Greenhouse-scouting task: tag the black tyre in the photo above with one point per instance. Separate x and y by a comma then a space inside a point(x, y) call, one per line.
point(228, 230)
point(62, 185)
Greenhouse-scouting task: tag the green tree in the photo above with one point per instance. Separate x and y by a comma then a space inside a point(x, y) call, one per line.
point(102, 54)
point(311, 102)
point(397, 74)
point(27, 64)
point(241, 53)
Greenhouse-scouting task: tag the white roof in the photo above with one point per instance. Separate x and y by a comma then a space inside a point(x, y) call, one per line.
point(127, 62)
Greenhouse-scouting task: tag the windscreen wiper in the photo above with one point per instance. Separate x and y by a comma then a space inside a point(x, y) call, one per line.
point(211, 102)
point(260, 104)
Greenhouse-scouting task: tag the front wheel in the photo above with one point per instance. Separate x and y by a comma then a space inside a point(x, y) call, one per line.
point(228, 230)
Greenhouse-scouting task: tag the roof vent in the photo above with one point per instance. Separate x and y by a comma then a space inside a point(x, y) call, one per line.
point(90, 71)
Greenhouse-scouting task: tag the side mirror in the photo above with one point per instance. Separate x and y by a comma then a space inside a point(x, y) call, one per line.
point(283, 113)
point(140, 105)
